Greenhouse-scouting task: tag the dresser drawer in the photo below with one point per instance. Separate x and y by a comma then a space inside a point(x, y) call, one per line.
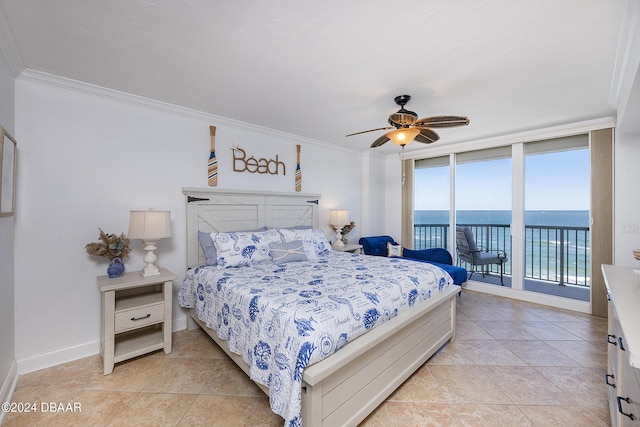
point(628, 398)
point(138, 317)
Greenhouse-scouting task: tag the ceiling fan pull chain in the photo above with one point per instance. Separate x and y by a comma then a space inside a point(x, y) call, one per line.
point(403, 168)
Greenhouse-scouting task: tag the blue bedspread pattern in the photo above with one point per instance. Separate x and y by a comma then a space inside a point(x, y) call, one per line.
point(281, 318)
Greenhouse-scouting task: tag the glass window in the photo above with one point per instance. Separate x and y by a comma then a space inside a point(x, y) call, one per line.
point(483, 203)
point(557, 198)
point(552, 194)
point(431, 203)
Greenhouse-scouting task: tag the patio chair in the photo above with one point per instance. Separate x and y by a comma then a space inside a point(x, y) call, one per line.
point(470, 253)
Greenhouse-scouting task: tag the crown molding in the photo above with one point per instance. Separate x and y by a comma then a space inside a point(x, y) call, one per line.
point(8, 47)
point(65, 83)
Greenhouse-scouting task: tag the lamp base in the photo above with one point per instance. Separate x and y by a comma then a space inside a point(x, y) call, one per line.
point(150, 269)
point(338, 243)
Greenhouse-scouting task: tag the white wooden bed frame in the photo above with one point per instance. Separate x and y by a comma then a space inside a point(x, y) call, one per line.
point(345, 387)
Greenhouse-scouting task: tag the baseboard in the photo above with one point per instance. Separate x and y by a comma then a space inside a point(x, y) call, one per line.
point(65, 355)
point(8, 387)
point(58, 357)
point(179, 323)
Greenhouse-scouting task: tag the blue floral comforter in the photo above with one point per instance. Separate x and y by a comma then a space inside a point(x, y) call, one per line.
point(282, 318)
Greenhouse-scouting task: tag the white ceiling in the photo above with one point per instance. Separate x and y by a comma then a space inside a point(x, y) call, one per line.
point(323, 69)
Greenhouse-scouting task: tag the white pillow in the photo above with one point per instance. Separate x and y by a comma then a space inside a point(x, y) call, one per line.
point(306, 236)
point(394, 250)
point(245, 247)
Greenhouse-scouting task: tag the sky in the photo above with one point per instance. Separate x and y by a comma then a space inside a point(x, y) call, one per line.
point(553, 181)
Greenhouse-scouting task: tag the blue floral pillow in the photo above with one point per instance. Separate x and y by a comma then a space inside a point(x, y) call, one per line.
point(244, 248)
point(209, 248)
point(288, 252)
point(320, 242)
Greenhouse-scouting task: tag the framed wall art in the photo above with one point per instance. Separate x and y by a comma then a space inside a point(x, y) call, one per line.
point(8, 151)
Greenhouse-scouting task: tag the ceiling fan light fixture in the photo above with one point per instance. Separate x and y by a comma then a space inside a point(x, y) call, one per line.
point(403, 136)
point(409, 128)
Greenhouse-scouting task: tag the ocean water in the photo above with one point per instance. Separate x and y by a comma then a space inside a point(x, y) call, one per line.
point(577, 218)
point(543, 247)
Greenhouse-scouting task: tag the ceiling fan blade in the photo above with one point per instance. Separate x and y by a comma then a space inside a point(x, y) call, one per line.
point(427, 136)
point(371, 130)
point(378, 142)
point(442, 121)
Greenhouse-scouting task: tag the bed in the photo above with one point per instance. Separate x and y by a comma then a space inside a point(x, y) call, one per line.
point(343, 377)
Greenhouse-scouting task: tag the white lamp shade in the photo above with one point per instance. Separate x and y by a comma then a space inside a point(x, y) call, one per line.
point(338, 217)
point(149, 225)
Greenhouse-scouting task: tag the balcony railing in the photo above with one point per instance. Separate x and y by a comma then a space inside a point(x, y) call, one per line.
point(556, 254)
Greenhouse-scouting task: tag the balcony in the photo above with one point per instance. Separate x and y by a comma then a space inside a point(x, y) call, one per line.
point(557, 258)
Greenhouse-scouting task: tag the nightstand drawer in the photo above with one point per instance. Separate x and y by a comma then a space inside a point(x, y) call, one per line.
point(139, 316)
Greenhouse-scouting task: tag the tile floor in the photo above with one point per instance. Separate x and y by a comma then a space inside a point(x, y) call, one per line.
point(513, 364)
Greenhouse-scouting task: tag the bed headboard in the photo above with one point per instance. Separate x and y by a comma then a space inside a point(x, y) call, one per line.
point(210, 209)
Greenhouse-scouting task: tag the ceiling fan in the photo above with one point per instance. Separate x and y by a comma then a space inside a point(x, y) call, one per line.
point(409, 128)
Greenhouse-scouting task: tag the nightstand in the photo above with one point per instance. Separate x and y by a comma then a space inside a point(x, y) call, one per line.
point(135, 316)
point(349, 247)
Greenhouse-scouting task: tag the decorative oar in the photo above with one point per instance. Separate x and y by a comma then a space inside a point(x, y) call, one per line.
point(298, 171)
point(212, 165)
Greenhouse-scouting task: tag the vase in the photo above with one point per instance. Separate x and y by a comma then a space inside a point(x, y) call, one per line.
point(116, 268)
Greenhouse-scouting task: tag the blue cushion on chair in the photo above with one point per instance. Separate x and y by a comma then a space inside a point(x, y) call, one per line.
point(376, 245)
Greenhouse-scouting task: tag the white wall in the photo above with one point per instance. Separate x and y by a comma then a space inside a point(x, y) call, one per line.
point(88, 156)
point(374, 194)
point(626, 198)
point(7, 342)
point(393, 190)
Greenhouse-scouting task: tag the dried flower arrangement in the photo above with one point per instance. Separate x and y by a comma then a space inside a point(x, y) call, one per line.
point(346, 229)
point(110, 246)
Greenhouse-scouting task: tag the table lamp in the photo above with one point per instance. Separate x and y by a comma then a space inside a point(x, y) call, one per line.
point(338, 218)
point(150, 226)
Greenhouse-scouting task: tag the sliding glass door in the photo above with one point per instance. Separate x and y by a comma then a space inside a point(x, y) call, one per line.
point(432, 189)
point(530, 201)
point(557, 199)
point(483, 203)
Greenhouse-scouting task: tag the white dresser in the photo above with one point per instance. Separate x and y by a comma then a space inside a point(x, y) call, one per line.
point(623, 338)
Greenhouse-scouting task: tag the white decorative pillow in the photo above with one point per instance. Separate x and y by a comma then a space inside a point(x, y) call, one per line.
point(306, 236)
point(246, 247)
point(287, 252)
point(394, 250)
point(320, 242)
